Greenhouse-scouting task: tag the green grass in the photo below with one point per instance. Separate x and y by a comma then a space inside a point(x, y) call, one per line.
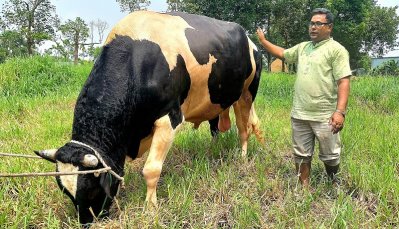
point(205, 183)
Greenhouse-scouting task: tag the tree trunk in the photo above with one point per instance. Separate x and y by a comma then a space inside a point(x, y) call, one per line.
point(76, 50)
point(269, 56)
point(29, 43)
point(29, 37)
point(286, 45)
point(31, 21)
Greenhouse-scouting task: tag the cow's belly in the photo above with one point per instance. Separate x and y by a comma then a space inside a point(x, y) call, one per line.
point(197, 107)
point(200, 112)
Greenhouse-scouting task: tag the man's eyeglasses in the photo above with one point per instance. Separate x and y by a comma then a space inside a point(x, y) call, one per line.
point(318, 24)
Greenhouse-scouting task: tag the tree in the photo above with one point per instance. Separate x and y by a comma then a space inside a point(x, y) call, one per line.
point(77, 32)
point(61, 48)
point(94, 51)
point(133, 5)
point(12, 44)
point(91, 24)
point(189, 6)
point(381, 35)
point(289, 23)
point(101, 27)
point(35, 19)
point(175, 5)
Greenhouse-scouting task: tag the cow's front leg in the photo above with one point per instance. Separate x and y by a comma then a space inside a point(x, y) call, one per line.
point(162, 139)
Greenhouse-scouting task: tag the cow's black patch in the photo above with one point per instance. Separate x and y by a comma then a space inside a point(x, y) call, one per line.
point(228, 43)
point(253, 87)
point(129, 88)
point(181, 79)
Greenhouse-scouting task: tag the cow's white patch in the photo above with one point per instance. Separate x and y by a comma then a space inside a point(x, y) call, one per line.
point(252, 44)
point(69, 182)
point(165, 30)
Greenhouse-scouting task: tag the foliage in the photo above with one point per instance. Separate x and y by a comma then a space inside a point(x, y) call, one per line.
point(350, 25)
point(33, 19)
point(365, 62)
point(289, 21)
point(94, 51)
point(387, 68)
point(74, 34)
point(382, 30)
point(133, 5)
point(61, 48)
point(245, 13)
point(12, 44)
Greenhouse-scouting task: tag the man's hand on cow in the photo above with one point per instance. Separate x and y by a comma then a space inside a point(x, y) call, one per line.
point(261, 35)
point(336, 122)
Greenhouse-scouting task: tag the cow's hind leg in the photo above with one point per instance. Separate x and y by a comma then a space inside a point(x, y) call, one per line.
point(247, 121)
point(164, 133)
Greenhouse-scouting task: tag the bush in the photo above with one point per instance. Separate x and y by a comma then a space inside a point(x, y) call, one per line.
point(387, 68)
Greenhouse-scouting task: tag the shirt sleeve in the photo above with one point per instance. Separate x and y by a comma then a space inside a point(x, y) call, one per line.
point(291, 54)
point(340, 64)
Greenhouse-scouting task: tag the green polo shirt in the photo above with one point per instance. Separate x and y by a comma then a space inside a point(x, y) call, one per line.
point(320, 66)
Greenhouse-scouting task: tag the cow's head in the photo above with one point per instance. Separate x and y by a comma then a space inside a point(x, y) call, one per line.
point(90, 193)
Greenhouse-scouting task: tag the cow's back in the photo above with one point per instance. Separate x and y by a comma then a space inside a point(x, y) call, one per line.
point(215, 54)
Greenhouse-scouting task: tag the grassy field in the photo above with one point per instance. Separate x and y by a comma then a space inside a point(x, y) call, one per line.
point(205, 184)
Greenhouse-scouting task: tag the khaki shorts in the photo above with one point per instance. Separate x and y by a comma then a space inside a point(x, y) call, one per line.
point(304, 134)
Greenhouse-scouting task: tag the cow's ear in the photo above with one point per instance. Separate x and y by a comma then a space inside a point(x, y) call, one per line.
point(48, 154)
point(106, 183)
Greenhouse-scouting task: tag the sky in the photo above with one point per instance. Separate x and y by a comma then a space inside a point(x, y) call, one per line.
point(109, 10)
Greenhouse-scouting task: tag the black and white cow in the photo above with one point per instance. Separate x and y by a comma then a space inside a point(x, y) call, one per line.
point(154, 72)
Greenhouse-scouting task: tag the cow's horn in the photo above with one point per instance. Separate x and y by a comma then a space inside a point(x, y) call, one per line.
point(48, 154)
point(90, 160)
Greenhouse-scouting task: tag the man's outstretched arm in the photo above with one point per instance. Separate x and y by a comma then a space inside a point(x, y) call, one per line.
point(273, 49)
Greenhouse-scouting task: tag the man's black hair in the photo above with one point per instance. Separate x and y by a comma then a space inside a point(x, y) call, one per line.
point(329, 15)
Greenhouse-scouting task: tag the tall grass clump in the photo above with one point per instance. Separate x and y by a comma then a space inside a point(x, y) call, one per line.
point(372, 142)
point(39, 76)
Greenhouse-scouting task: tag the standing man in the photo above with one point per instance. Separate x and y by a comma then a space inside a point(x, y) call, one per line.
point(320, 94)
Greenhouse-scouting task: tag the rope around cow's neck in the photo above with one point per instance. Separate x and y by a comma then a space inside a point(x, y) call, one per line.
point(101, 160)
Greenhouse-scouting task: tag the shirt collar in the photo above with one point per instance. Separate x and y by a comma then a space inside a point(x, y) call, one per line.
point(318, 44)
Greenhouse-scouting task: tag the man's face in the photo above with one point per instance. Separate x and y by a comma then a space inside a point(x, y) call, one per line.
point(318, 28)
